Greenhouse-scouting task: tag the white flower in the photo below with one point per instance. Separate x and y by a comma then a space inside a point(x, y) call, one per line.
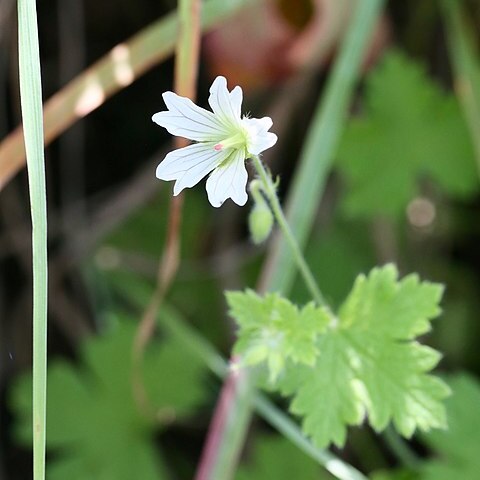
point(224, 139)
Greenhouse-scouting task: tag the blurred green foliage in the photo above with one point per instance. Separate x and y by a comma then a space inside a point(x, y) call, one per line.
point(275, 458)
point(410, 130)
point(456, 449)
point(95, 427)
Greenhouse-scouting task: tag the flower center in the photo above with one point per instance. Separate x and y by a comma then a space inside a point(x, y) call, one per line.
point(235, 141)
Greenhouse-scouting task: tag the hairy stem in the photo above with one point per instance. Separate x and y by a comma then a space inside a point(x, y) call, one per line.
point(271, 194)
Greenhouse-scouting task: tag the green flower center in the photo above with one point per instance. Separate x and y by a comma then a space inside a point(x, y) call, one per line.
point(238, 140)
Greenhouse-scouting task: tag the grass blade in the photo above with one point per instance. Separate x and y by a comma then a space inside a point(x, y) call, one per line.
point(321, 144)
point(466, 67)
point(31, 103)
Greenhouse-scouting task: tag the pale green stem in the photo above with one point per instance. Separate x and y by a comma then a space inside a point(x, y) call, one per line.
point(187, 52)
point(224, 441)
point(338, 468)
point(271, 193)
point(31, 103)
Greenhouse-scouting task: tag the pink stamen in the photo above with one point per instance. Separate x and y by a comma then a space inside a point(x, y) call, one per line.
point(218, 147)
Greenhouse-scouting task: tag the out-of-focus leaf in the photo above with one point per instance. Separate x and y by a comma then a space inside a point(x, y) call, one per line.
point(275, 458)
point(93, 419)
point(410, 129)
point(457, 448)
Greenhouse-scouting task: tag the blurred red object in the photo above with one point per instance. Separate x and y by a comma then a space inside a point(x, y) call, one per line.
point(272, 39)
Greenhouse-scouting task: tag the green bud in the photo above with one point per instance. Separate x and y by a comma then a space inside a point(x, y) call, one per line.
point(260, 222)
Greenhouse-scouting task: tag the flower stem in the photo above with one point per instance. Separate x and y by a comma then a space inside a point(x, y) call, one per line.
point(289, 429)
point(271, 194)
point(309, 181)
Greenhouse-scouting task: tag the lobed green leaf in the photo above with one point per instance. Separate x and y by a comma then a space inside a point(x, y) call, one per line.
point(368, 364)
point(273, 330)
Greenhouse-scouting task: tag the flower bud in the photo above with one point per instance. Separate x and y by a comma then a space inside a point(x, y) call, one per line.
point(260, 222)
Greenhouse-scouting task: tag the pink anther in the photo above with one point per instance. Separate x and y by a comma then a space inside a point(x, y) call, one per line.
point(218, 147)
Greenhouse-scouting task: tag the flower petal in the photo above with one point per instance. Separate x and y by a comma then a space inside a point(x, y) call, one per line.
point(259, 139)
point(226, 105)
point(185, 119)
point(260, 124)
point(190, 164)
point(236, 99)
point(261, 143)
point(229, 180)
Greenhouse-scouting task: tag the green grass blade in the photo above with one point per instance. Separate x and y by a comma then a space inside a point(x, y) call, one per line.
point(321, 143)
point(31, 103)
point(466, 67)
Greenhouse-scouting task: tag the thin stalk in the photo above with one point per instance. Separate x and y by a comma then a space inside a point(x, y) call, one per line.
point(271, 194)
point(31, 104)
point(338, 468)
point(187, 54)
point(221, 452)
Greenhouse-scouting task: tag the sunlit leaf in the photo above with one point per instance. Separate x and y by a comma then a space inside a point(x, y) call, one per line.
point(273, 330)
point(369, 365)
